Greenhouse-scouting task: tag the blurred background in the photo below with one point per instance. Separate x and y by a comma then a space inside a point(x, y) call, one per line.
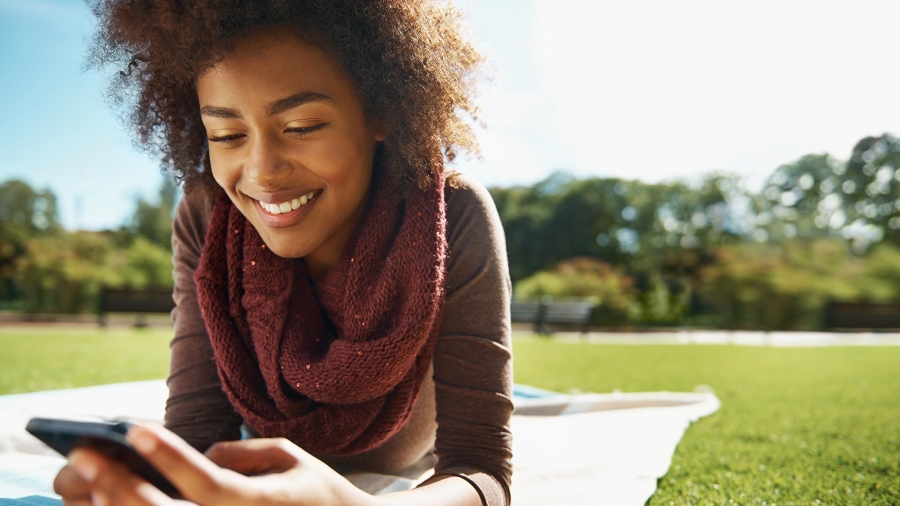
point(693, 164)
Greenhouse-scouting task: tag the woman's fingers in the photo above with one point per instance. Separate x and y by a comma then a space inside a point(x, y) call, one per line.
point(112, 483)
point(195, 476)
point(71, 486)
point(255, 456)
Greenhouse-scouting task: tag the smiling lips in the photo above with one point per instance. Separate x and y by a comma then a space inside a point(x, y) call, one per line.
point(286, 207)
point(288, 213)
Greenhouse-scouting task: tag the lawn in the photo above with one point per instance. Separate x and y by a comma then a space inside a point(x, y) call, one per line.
point(797, 426)
point(33, 360)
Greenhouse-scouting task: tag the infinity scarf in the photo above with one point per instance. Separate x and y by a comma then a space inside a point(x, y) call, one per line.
point(335, 366)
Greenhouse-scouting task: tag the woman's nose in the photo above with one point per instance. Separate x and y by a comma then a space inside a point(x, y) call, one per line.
point(266, 164)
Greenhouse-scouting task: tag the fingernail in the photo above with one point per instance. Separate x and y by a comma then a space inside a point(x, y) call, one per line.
point(142, 439)
point(83, 466)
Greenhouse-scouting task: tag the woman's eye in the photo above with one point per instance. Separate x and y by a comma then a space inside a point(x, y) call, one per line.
point(302, 131)
point(225, 139)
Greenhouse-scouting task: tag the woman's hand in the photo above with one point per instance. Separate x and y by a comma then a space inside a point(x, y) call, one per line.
point(252, 472)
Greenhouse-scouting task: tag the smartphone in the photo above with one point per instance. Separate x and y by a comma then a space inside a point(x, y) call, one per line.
point(105, 438)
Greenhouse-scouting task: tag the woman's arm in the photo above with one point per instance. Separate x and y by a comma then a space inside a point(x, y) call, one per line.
point(443, 490)
point(473, 360)
point(197, 408)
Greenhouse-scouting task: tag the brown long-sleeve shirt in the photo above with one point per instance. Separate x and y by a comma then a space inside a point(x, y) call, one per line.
point(463, 410)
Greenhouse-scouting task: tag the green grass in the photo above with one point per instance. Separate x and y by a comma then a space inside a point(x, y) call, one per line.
point(32, 360)
point(796, 425)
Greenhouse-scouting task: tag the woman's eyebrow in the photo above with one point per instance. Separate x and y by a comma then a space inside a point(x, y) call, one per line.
point(276, 107)
point(295, 100)
point(220, 112)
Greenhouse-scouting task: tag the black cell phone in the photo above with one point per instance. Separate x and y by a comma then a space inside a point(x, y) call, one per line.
point(105, 438)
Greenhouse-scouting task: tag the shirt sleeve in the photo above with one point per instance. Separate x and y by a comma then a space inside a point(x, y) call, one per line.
point(197, 409)
point(473, 359)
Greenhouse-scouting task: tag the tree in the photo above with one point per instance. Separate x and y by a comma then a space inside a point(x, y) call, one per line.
point(153, 221)
point(630, 224)
point(802, 198)
point(64, 273)
point(872, 173)
point(25, 213)
point(820, 196)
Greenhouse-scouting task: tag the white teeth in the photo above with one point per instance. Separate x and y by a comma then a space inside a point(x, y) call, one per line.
point(285, 207)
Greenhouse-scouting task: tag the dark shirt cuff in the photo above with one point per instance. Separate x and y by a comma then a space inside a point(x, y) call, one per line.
point(492, 491)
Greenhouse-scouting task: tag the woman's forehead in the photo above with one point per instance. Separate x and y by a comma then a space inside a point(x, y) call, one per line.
point(264, 67)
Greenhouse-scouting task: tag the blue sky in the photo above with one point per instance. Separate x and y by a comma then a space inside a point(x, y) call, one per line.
point(647, 89)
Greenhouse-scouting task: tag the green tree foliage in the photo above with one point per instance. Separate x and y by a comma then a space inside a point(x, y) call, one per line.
point(626, 223)
point(153, 221)
point(25, 213)
point(803, 198)
point(786, 285)
point(661, 303)
point(618, 300)
point(53, 270)
point(64, 273)
point(876, 208)
point(820, 196)
point(820, 229)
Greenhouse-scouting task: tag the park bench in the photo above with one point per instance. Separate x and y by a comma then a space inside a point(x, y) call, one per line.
point(546, 312)
point(862, 316)
point(140, 302)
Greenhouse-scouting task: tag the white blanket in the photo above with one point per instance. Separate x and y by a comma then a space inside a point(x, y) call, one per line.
point(568, 449)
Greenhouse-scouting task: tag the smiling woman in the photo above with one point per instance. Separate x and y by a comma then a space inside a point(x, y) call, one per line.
point(338, 298)
point(295, 154)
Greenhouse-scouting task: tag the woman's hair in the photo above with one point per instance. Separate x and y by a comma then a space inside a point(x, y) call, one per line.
point(411, 61)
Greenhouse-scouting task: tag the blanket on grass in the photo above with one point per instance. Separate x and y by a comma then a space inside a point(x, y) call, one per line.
point(568, 449)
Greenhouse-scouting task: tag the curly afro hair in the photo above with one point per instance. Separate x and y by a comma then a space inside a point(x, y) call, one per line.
point(412, 62)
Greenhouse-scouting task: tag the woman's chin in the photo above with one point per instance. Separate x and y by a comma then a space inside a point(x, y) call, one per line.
point(284, 249)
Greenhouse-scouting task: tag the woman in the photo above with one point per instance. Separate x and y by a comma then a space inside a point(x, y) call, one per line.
point(337, 296)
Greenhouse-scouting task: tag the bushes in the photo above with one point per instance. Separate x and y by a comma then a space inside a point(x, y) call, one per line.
point(44, 268)
point(765, 286)
point(619, 301)
point(585, 277)
point(786, 286)
point(63, 273)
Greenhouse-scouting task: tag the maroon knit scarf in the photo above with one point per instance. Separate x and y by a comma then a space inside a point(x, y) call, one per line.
point(334, 367)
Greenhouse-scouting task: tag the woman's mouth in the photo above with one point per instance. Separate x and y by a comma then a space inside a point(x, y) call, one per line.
point(286, 207)
point(287, 213)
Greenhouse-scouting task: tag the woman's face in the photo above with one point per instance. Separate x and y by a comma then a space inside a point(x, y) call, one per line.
point(289, 143)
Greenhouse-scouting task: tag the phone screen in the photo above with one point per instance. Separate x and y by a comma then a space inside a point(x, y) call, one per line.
point(106, 438)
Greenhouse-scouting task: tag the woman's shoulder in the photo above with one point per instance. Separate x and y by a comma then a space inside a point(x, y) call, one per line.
point(197, 203)
point(469, 204)
point(477, 247)
point(192, 218)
